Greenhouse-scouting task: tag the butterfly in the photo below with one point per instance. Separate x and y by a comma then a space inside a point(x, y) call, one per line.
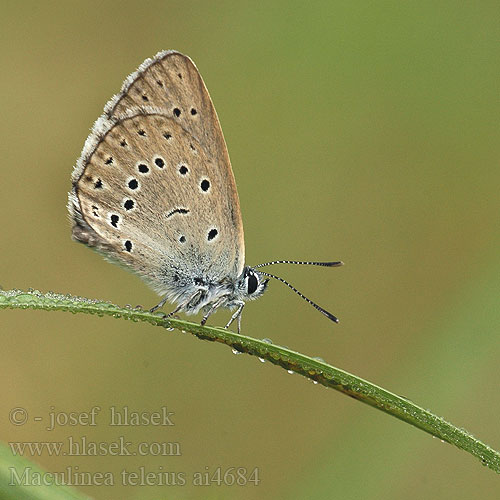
point(153, 190)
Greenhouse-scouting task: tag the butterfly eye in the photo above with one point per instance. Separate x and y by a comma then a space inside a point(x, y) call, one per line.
point(252, 283)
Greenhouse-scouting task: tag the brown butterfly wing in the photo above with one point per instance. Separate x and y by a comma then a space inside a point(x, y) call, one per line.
point(171, 83)
point(154, 187)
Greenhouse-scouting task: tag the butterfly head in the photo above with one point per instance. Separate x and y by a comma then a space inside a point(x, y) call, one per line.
point(251, 284)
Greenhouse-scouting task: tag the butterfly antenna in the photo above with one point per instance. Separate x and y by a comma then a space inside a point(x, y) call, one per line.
point(319, 308)
point(307, 263)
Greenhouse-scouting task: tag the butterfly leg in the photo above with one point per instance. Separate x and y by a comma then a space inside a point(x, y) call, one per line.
point(177, 309)
point(182, 305)
point(161, 304)
point(237, 315)
point(239, 320)
point(212, 309)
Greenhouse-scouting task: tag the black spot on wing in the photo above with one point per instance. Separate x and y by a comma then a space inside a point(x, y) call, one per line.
point(182, 211)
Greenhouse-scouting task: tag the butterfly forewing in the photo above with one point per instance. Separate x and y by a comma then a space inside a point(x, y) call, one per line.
point(154, 184)
point(171, 83)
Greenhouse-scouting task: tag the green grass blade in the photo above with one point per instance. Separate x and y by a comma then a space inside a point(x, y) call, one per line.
point(312, 368)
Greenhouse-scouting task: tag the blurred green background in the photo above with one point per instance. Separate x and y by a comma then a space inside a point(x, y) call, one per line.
point(361, 131)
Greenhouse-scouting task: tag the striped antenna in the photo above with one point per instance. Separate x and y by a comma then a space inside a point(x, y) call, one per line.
point(319, 308)
point(324, 264)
